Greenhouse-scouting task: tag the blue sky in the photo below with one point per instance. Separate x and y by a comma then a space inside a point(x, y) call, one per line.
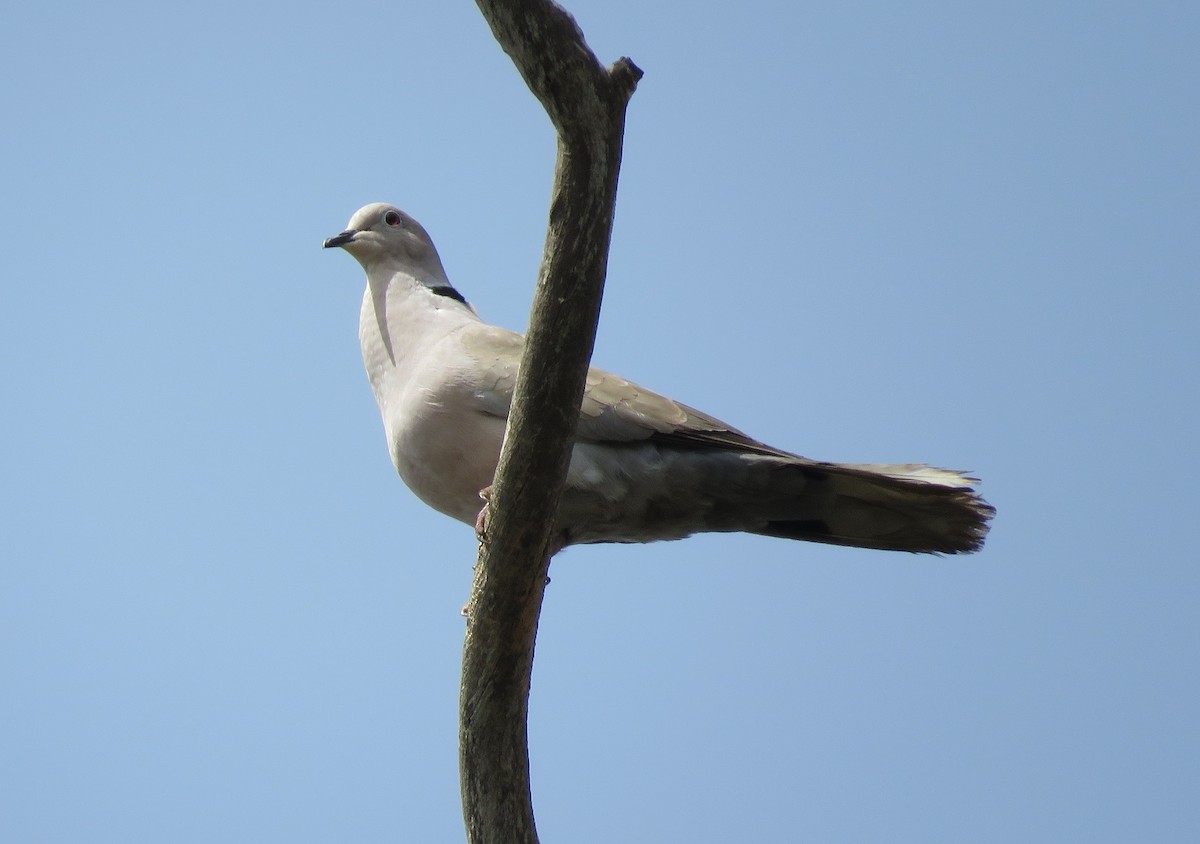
point(942, 232)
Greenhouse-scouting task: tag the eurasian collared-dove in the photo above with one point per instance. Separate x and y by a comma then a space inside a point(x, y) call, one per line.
point(643, 467)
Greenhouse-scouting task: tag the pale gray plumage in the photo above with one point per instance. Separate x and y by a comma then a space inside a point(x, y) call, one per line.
point(643, 467)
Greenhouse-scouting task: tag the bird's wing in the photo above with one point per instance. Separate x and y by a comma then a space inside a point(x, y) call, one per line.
point(613, 410)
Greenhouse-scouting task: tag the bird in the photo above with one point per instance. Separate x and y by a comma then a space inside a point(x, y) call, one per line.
point(643, 467)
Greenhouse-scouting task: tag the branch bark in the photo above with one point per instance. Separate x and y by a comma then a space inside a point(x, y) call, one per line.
point(586, 103)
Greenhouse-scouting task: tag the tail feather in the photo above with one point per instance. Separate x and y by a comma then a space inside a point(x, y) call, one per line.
point(891, 507)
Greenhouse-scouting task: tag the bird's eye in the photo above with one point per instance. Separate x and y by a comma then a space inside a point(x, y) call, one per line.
point(392, 219)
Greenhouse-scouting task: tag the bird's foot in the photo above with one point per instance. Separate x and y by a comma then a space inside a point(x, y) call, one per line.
point(481, 520)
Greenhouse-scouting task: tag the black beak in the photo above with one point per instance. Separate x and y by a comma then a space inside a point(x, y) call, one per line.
point(340, 239)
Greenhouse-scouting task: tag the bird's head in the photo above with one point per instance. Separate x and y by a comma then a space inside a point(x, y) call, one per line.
point(381, 234)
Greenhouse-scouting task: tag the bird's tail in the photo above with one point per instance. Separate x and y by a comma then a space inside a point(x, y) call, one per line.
point(892, 507)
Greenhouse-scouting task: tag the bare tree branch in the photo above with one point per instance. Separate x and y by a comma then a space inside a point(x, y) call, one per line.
point(586, 103)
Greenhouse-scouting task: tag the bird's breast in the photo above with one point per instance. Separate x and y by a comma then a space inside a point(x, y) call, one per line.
point(445, 454)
